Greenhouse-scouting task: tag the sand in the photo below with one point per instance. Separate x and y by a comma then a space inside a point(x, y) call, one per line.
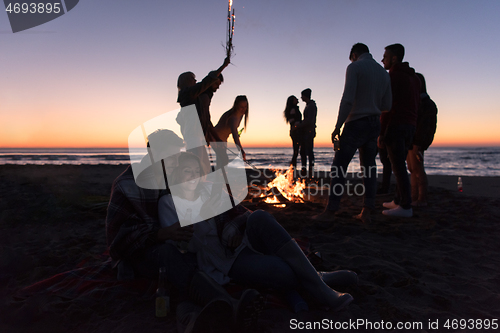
point(442, 264)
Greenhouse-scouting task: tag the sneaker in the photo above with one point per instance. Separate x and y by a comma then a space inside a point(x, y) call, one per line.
point(399, 212)
point(390, 205)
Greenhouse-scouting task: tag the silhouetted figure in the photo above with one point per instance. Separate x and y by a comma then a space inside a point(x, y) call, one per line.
point(190, 92)
point(141, 238)
point(398, 125)
point(424, 135)
point(294, 118)
point(367, 93)
point(230, 121)
point(200, 95)
point(133, 232)
point(308, 129)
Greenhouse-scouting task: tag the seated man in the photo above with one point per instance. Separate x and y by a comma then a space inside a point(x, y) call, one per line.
point(251, 248)
point(136, 241)
point(133, 231)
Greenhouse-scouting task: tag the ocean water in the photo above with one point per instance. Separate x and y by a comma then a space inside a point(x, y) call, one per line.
point(461, 161)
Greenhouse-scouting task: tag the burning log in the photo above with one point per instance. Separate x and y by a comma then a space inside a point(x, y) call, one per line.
point(282, 190)
point(284, 182)
point(277, 194)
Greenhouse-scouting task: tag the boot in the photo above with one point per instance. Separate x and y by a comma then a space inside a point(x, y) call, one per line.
point(213, 317)
point(309, 278)
point(245, 311)
point(341, 278)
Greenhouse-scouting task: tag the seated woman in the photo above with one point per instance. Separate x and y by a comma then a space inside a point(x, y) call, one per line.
point(230, 121)
point(251, 248)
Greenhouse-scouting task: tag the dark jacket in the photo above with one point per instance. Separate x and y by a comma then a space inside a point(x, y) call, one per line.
point(405, 86)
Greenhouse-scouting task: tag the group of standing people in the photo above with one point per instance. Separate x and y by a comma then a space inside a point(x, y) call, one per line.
point(302, 130)
point(145, 230)
point(380, 110)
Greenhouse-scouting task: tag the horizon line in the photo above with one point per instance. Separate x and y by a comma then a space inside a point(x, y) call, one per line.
point(470, 145)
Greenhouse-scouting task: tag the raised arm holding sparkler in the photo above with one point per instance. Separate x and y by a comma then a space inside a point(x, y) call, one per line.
point(230, 30)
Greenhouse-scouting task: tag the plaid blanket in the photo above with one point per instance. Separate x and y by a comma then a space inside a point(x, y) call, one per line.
point(95, 281)
point(99, 282)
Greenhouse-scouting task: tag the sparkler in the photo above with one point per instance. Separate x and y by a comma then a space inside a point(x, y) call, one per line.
point(230, 30)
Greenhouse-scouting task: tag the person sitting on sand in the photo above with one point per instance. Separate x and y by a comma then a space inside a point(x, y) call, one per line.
point(248, 247)
point(133, 231)
point(230, 121)
point(294, 118)
point(424, 134)
point(137, 241)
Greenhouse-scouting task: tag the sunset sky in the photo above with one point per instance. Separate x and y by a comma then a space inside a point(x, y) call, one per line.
point(93, 75)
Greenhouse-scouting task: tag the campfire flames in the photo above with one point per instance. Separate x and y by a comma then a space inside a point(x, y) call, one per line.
point(273, 201)
point(290, 190)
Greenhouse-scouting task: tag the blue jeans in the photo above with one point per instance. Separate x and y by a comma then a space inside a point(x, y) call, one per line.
point(359, 134)
point(387, 171)
point(297, 142)
point(398, 141)
point(264, 269)
point(307, 149)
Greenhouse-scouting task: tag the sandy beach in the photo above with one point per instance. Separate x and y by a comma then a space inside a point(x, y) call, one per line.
point(441, 265)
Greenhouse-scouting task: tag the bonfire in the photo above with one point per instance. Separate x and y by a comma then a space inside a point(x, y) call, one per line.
point(292, 191)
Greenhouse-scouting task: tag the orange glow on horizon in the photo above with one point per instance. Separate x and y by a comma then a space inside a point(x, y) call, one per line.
point(318, 144)
point(102, 137)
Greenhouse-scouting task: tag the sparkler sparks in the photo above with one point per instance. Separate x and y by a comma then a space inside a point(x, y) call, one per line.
point(230, 30)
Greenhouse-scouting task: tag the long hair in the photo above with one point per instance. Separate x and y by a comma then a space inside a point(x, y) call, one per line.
point(183, 80)
point(232, 111)
point(290, 104)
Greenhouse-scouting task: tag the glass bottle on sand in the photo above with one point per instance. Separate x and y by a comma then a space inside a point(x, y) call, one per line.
point(162, 298)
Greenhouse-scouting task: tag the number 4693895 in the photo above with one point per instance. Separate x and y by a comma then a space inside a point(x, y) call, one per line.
point(473, 324)
point(33, 8)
